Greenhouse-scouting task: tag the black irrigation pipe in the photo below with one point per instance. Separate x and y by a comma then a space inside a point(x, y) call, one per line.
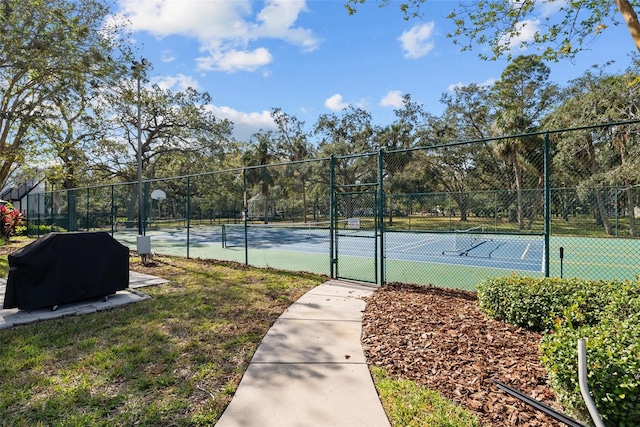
point(538, 405)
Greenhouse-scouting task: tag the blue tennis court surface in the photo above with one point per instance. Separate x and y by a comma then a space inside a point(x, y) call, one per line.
point(510, 252)
point(507, 252)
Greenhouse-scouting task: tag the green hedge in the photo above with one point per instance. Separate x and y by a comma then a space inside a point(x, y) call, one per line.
point(606, 314)
point(41, 230)
point(613, 364)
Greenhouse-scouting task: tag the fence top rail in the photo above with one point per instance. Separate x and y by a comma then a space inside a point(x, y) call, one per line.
point(518, 135)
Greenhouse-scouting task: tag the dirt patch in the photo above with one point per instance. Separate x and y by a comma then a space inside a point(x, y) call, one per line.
point(440, 338)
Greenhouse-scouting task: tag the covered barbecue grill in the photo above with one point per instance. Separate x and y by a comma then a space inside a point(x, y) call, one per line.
point(61, 268)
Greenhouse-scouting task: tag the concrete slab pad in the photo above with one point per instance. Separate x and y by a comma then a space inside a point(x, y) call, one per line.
point(139, 280)
point(13, 317)
point(23, 318)
point(303, 395)
point(48, 313)
point(312, 341)
point(337, 287)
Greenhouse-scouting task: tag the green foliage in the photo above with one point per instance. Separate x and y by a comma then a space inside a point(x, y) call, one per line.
point(613, 364)
point(525, 301)
point(52, 52)
point(42, 229)
point(498, 25)
point(11, 222)
point(606, 314)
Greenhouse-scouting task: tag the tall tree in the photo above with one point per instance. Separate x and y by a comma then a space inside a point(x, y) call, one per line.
point(397, 139)
point(462, 169)
point(499, 24)
point(260, 153)
point(593, 159)
point(50, 48)
point(343, 136)
point(177, 130)
point(522, 97)
point(292, 142)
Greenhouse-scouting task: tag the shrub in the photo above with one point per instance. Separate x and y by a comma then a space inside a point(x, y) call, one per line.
point(535, 303)
point(607, 314)
point(525, 301)
point(613, 364)
point(41, 229)
point(11, 221)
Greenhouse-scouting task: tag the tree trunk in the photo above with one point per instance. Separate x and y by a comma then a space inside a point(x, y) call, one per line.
point(631, 18)
point(518, 172)
point(265, 194)
point(131, 207)
point(304, 202)
point(602, 211)
point(632, 215)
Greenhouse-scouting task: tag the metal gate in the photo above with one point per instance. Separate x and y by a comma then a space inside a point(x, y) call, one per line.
point(356, 243)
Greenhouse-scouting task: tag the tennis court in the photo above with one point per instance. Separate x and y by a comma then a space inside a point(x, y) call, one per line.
point(308, 247)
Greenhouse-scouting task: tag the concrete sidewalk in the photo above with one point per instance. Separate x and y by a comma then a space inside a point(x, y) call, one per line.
point(309, 369)
point(14, 317)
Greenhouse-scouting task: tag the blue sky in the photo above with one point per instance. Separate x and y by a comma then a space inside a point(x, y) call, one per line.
point(310, 57)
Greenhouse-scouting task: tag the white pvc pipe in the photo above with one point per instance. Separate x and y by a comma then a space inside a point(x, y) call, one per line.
point(584, 388)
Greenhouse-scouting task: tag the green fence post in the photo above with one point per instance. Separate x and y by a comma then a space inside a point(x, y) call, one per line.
point(38, 214)
point(113, 214)
point(547, 205)
point(615, 189)
point(245, 215)
point(381, 205)
point(188, 219)
point(87, 207)
point(331, 218)
point(495, 210)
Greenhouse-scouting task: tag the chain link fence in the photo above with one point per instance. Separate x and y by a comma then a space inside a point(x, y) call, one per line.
point(557, 203)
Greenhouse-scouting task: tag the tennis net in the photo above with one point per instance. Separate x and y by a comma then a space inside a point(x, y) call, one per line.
point(465, 240)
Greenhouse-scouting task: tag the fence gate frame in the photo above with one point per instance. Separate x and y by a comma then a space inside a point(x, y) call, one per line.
point(374, 189)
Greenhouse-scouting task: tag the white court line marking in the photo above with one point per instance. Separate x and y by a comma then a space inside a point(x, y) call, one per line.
point(524, 254)
point(413, 245)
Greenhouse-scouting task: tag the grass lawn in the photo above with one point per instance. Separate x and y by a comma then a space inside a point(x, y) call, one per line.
point(408, 404)
point(174, 360)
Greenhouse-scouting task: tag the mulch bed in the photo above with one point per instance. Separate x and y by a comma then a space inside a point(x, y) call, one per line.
point(439, 338)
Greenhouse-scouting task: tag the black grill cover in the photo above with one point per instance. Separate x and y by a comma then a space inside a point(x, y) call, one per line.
point(61, 268)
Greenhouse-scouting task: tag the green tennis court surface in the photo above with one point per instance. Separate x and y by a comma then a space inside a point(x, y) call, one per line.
point(443, 259)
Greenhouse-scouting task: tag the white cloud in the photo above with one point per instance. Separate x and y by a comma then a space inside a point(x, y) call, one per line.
point(224, 29)
point(167, 56)
point(335, 103)
point(236, 60)
point(549, 8)
point(179, 82)
point(244, 124)
point(277, 20)
point(392, 99)
point(527, 30)
point(417, 42)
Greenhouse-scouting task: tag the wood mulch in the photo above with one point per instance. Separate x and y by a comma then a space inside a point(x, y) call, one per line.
point(439, 338)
